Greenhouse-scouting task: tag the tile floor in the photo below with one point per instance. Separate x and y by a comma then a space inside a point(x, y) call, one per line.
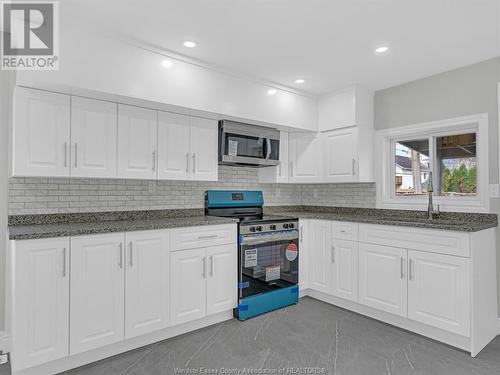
point(311, 334)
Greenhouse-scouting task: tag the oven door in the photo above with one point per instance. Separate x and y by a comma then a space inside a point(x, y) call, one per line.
point(268, 264)
point(240, 145)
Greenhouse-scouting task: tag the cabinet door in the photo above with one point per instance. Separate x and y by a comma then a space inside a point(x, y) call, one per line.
point(304, 254)
point(41, 301)
point(188, 274)
point(173, 146)
point(97, 291)
point(93, 138)
point(382, 278)
point(146, 282)
point(345, 269)
point(204, 158)
point(305, 158)
point(320, 256)
point(340, 155)
point(137, 134)
point(439, 291)
point(280, 173)
point(41, 133)
point(222, 278)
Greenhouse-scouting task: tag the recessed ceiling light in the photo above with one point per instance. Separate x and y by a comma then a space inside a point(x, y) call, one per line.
point(271, 91)
point(381, 50)
point(189, 44)
point(167, 63)
point(300, 80)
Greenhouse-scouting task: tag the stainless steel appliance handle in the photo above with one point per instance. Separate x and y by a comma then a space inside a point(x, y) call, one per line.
point(261, 239)
point(131, 260)
point(64, 262)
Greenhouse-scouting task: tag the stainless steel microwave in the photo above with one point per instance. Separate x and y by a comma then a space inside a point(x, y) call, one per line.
point(244, 144)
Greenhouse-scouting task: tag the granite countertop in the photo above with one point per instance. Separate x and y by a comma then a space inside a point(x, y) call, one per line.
point(24, 227)
point(453, 221)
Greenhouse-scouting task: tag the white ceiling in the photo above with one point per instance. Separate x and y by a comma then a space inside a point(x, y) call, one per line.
point(329, 43)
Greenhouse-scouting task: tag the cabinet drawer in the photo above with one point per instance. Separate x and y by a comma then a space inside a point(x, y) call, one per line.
point(430, 240)
point(203, 236)
point(345, 231)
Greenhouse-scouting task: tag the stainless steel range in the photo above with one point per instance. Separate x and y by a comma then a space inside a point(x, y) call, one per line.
point(268, 261)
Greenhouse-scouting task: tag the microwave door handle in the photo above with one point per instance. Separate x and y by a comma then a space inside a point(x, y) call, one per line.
point(268, 148)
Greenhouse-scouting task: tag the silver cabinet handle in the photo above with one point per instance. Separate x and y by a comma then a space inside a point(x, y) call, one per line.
point(353, 167)
point(343, 231)
point(212, 265)
point(410, 269)
point(154, 160)
point(120, 255)
point(333, 254)
point(291, 168)
point(76, 154)
point(204, 261)
point(187, 162)
point(207, 237)
point(65, 154)
point(301, 233)
point(131, 260)
point(64, 263)
point(402, 268)
point(194, 163)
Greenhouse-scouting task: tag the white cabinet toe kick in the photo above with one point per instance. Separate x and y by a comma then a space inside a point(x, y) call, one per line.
point(440, 284)
point(76, 300)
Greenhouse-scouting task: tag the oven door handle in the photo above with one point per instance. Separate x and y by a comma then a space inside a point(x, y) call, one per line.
point(261, 240)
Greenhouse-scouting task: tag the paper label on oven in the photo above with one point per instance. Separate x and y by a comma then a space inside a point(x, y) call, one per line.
point(273, 273)
point(291, 252)
point(232, 149)
point(250, 258)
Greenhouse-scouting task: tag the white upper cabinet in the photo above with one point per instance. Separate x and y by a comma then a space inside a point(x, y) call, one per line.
point(97, 291)
point(93, 138)
point(280, 173)
point(306, 157)
point(439, 291)
point(187, 148)
point(146, 282)
point(173, 146)
point(222, 278)
point(41, 145)
point(340, 155)
point(382, 278)
point(137, 142)
point(40, 317)
point(204, 146)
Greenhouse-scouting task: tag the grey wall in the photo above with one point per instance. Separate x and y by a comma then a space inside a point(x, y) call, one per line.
point(5, 105)
point(60, 195)
point(464, 91)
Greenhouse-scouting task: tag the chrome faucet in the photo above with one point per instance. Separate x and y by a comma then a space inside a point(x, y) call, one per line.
point(430, 207)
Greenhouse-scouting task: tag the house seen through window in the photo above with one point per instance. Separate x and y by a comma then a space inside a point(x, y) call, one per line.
point(451, 158)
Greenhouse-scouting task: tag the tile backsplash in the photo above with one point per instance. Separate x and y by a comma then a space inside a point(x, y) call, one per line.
point(42, 195)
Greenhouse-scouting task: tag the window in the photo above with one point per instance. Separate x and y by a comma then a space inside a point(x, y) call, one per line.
point(454, 153)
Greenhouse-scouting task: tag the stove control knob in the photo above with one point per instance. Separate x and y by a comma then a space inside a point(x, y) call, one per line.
point(285, 225)
point(252, 229)
point(272, 227)
point(259, 229)
point(291, 225)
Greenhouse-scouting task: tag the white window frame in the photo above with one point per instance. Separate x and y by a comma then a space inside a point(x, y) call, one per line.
point(385, 165)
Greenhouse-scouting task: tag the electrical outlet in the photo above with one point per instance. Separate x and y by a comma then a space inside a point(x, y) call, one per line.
point(4, 358)
point(494, 193)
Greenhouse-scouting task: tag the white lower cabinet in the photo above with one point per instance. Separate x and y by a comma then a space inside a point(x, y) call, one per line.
point(222, 291)
point(382, 278)
point(320, 255)
point(146, 282)
point(40, 306)
point(203, 282)
point(439, 291)
point(188, 287)
point(97, 291)
point(345, 269)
